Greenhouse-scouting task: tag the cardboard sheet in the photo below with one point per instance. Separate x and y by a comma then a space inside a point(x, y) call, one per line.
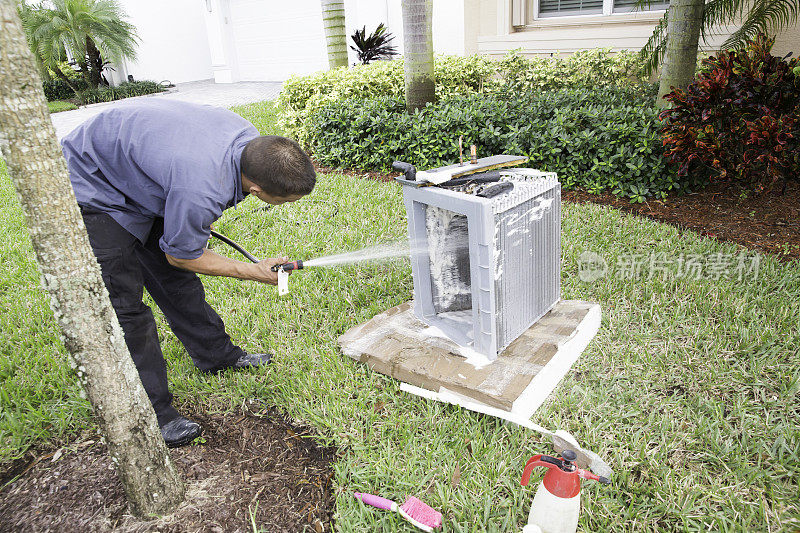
point(399, 345)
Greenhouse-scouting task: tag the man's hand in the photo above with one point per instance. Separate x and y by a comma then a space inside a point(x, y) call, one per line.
point(213, 264)
point(263, 270)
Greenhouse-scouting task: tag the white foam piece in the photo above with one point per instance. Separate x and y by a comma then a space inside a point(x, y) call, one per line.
point(537, 391)
point(554, 371)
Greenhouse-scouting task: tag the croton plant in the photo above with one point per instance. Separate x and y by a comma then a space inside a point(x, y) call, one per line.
point(739, 120)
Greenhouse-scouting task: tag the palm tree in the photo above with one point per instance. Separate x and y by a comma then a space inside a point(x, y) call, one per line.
point(335, 34)
point(418, 56)
point(90, 30)
point(680, 56)
point(756, 16)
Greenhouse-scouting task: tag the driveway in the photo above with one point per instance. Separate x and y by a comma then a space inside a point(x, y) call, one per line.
point(199, 92)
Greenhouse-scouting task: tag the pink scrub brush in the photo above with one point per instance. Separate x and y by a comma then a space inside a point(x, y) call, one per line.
point(413, 510)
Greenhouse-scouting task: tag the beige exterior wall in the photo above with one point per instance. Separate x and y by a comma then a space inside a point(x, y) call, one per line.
point(788, 41)
point(566, 35)
point(487, 11)
point(472, 22)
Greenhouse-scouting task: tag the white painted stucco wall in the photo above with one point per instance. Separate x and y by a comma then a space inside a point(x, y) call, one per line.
point(266, 40)
point(448, 22)
point(174, 43)
point(448, 27)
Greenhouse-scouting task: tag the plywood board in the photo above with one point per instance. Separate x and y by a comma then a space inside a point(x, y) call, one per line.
point(397, 344)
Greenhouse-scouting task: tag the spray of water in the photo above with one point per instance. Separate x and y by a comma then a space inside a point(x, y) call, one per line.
point(381, 252)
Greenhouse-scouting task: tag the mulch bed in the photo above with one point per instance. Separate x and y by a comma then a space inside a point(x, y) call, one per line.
point(253, 468)
point(767, 222)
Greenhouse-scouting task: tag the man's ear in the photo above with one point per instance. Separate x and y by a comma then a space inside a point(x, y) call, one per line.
point(255, 189)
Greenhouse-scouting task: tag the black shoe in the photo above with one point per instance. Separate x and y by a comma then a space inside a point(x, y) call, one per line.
point(252, 360)
point(180, 431)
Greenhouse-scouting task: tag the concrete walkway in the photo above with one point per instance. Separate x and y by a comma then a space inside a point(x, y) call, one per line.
point(199, 92)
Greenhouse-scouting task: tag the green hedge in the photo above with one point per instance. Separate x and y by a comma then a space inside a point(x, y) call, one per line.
point(599, 139)
point(455, 76)
point(123, 90)
point(60, 90)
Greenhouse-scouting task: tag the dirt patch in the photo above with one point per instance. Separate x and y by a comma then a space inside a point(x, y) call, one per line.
point(252, 469)
point(769, 222)
point(357, 173)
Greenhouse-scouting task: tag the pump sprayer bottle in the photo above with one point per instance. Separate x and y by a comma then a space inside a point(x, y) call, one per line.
point(558, 498)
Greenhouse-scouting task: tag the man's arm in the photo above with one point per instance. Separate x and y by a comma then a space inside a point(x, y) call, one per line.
point(213, 264)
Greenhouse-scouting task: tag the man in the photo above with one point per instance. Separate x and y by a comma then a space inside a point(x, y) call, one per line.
point(150, 177)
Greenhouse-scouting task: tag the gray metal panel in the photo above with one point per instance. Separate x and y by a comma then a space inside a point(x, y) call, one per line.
point(527, 246)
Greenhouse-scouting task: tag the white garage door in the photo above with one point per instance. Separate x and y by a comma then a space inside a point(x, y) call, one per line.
point(277, 38)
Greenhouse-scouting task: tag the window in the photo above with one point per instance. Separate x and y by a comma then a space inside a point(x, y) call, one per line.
point(526, 11)
point(626, 6)
point(558, 8)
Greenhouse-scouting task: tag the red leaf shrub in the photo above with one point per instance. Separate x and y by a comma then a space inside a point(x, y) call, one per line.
point(739, 120)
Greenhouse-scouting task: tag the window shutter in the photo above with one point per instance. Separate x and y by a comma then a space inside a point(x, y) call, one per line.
point(570, 7)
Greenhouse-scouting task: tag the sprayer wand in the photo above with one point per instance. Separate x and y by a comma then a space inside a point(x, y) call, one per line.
point(294, 265)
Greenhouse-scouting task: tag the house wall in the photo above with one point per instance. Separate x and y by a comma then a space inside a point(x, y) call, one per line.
point(448, 27)
point(174, 45)
point(455, 23)
point(788, 41)
point(566, 35)
point(472, 24)
point(267, 40)
point(199, 39)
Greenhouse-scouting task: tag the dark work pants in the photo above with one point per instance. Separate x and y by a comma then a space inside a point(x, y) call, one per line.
point(127, 266)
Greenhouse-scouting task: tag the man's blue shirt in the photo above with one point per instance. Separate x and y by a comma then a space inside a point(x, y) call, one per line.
point(160, 158)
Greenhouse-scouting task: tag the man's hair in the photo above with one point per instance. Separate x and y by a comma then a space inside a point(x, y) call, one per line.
point(278, 165)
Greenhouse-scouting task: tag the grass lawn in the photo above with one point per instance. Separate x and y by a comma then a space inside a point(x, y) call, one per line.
point(690, 389)
point(56, 106)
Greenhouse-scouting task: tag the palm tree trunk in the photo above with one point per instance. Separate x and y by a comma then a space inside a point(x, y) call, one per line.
point(66, 80)
point(335, 33)
point(95, 64)
point(83, 66)
point(680, 57)
point(418, 57)
point(71, 275)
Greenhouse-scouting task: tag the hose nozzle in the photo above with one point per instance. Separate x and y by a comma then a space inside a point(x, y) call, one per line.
point(294, 265)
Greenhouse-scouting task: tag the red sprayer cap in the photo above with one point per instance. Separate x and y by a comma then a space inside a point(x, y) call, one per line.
point(563, 478)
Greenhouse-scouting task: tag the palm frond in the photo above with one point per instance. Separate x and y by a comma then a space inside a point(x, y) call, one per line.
point(717, 13)
point(757, 16)
point(377, 45)
point(765, 16)
point(653, 51)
